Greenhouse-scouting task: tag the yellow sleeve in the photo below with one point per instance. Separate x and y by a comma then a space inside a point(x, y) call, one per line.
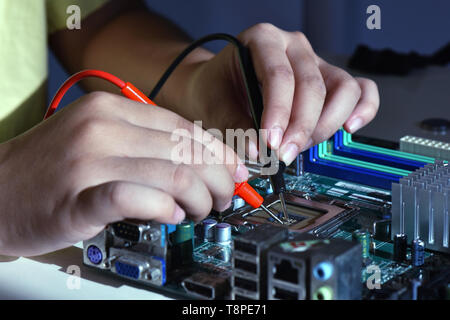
point(57, 11)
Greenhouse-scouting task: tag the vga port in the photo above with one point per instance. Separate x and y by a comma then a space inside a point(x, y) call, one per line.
point(130, 268)
point(129, 231)
point(138, 266)
point(127, 270)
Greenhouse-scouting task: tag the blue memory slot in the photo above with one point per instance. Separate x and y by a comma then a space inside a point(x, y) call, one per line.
point(397, 162)
point(314, 164)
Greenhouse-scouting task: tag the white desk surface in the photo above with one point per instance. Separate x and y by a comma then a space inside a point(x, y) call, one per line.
point(45, 277)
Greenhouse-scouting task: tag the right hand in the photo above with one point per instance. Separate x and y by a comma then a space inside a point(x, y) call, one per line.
point(102, 159)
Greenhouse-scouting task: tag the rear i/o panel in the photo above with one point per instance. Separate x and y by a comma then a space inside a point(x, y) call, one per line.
point(364, 222)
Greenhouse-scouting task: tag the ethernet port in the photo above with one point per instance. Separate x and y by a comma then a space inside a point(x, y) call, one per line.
point(285, 271)
point(283, 294)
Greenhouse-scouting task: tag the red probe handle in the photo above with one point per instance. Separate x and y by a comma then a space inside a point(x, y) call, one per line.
point(246, 192)
point(133, 93)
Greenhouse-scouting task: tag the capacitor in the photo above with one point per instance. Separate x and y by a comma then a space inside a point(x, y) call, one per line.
point(224, 254)
point(238, 202)
point(208, 229)
point(400, 244)
point(417, 252)
point(183, 244)
point(184, 232)
point(222, 233)
point(363, 238)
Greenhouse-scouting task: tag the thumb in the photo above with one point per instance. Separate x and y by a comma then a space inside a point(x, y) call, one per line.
point(117, 200)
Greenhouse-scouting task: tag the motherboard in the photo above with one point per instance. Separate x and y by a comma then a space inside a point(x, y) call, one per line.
point(364, 222)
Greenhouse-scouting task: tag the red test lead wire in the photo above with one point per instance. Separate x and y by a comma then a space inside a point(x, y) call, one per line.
point(127, 89)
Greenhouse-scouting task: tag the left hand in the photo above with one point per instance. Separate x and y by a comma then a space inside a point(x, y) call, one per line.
point(306, 100)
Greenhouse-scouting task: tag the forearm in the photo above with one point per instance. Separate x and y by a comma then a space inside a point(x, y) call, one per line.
point(138, 45)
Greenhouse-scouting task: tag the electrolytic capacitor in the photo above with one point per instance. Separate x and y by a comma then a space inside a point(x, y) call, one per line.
point(238, 202)
point(224, 254)
point(364, 239)
point(184, 232)
point(417, 252)
point(222, 233)
point(208, 229)
point(400, 245)
point(183, 243)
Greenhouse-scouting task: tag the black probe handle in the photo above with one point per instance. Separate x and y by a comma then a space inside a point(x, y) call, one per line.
point(277, 179)
point(255, 100)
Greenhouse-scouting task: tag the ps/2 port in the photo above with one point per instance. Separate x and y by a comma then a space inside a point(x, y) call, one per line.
point(94, 254)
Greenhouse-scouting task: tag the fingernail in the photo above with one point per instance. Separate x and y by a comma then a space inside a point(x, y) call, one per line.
point(241, 173)
point(252, 150)
point(308, 145)
point(179, 214)
point(289, 153)
point(355, 124)
point(275, 137)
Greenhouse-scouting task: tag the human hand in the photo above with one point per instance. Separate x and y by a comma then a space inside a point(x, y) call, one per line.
point(100, 160)
point(306, 100)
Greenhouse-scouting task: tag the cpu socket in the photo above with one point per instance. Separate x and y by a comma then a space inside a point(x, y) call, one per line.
point(304, 215)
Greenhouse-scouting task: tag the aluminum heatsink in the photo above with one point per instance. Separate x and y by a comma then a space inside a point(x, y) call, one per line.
point(420, 206)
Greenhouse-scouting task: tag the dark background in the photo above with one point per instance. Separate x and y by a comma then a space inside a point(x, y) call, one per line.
point(335, 28)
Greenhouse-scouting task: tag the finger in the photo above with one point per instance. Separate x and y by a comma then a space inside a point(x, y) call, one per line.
point(213, 173)
point(219, 183)
point(343, 93)
point(367, 106)
point(117, 200)
point(206, 164)
point(308, 102)
point(182, 182)
point(134, 141)
point(229, 103)
point(124, 109)
point(275, 75)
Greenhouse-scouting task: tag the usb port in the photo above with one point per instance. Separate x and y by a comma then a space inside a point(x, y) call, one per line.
point(245, 284)
point(244, 265)
point(283, 294)
point(245, 247)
